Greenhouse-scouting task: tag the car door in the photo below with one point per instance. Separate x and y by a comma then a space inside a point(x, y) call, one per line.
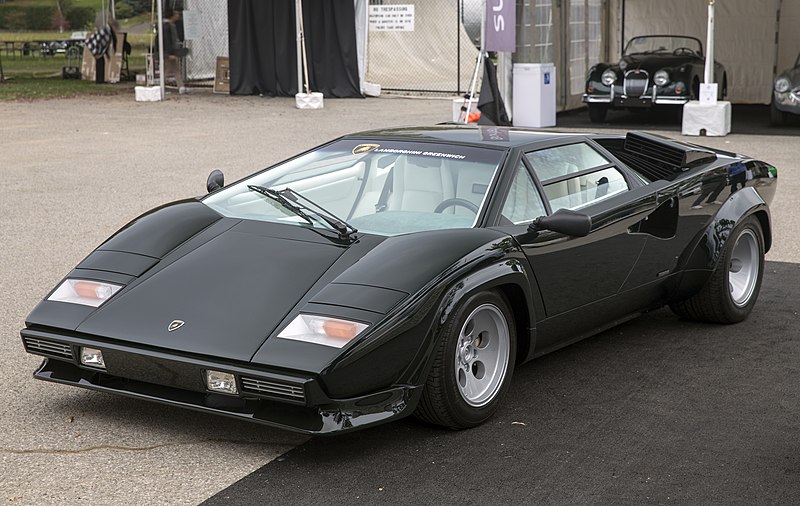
point(578, 277)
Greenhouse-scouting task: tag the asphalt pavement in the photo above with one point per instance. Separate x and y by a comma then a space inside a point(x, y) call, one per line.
point(658, 409)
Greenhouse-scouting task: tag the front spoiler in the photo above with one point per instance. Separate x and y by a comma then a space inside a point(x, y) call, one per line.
point(339, 415)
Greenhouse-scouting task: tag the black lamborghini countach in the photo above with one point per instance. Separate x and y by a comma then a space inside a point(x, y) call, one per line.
point(404, 271)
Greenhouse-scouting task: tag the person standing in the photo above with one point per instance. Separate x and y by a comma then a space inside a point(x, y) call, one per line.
point(173, 48)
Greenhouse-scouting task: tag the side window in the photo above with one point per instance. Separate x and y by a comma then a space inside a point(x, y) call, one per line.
point(554, 167)
point(523, 203)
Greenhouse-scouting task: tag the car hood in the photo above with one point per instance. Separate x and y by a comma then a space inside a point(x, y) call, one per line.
point(654, 62)
point(230, 291)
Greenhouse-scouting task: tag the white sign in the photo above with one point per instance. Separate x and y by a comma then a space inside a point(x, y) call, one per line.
point(391, 18)
point(191, 25)
point(708, 93)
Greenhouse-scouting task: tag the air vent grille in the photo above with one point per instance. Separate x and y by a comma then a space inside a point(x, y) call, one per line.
point(635, 84)
point(273, 388)
point(48, 348)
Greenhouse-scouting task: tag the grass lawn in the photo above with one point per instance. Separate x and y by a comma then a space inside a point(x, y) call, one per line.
point(33, 88)
point(34, 77)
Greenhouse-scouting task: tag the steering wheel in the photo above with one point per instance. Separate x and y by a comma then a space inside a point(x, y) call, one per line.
point(683, 50)
point(456, 202)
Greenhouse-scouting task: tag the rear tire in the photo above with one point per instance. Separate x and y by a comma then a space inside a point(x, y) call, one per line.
point(473, 363)
point(597, 113)
point(731, 292)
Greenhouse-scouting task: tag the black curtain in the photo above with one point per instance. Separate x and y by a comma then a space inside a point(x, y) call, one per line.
point(262, 47)
point(490, 103)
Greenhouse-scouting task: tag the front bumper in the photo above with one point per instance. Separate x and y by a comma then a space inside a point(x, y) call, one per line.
point(286, 401)
point(623, 101)
point(788, 101)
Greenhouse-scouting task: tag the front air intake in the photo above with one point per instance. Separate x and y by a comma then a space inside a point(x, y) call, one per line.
point(275, 389)
point(48, 348)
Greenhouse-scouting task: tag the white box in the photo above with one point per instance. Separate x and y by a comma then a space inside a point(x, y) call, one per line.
point(534, 92)
point(706, 119)
point(371, 89)
point(459, 116)
point(311, 100)
point(148, 93)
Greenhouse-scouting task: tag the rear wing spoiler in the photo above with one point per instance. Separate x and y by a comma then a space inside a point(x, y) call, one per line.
point(659, 157)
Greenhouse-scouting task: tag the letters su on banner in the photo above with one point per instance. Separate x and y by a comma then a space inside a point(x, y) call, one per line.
point(501, 22)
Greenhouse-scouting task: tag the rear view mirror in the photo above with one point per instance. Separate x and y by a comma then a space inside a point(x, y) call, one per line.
point(215, 181)
point(565, 222)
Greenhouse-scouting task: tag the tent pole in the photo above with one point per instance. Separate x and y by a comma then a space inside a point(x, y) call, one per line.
point(303, 45)
point(709, 69)
point(478, 62)
point(160, 47)
point(299, 47)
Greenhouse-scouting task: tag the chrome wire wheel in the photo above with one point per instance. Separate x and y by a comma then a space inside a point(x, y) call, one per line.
point(743, 268)
point(482, 352)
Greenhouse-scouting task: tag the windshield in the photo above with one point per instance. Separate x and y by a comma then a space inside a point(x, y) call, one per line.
point(663, 44)
point(379, 187)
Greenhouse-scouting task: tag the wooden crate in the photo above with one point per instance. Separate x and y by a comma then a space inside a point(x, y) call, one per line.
point(222, 79)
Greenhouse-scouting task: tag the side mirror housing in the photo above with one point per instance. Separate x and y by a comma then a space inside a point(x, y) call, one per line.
point(215, 181)
point(565, 222)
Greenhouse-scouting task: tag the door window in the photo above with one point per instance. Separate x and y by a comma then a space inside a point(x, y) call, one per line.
point(575, 175)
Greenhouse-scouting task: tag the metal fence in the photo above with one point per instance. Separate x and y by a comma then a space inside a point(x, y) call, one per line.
point(422, 46)
point(206, 29)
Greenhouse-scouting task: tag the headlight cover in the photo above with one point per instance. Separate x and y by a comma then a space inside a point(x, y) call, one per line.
point(661, 78)
point(322, 330)
point(609, 77)
point(782, 85)
point(84, 291)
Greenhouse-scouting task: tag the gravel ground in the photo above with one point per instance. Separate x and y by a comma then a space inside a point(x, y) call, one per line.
point(71, 173)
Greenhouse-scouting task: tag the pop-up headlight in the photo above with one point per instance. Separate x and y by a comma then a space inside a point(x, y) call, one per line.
point(81, 291)
point(322, 330)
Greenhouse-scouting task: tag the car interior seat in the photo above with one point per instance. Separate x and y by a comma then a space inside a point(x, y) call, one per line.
point(420, 184)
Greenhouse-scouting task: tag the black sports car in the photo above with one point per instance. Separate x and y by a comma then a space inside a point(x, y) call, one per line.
point(786, 95)
point(404, 271)
point(655, 70)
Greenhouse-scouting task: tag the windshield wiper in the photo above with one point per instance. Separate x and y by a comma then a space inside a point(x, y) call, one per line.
point(345, 230)
point(289, 199)
point(280, 199)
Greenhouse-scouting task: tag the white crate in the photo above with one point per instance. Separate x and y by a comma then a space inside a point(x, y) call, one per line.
point(148, 93)
point(311, 100)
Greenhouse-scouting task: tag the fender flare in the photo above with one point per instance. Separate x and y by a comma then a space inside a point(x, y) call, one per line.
point(711, 243)
point(513, 277)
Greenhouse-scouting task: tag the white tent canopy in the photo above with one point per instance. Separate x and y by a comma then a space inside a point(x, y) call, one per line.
point(745, 36)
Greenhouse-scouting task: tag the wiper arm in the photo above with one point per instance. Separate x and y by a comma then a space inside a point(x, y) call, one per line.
point(280, 199)
point(345, 230)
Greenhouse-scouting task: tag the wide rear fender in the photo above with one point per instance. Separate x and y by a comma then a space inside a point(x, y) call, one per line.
point(698, 262)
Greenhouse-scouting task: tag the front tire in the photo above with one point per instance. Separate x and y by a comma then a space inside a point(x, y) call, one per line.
point(731, 292)
point(473, 364)
point(776, 116)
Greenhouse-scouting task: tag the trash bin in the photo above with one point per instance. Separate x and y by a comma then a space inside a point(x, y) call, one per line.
point(534, 92)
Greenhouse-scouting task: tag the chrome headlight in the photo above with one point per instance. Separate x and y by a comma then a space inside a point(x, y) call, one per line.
point(782, 85)
point(83, 291)
point(322, 330)
point(609, 77)
point(661, 78)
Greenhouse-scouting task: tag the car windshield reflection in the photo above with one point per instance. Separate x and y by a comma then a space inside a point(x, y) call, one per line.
point(386, 189)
